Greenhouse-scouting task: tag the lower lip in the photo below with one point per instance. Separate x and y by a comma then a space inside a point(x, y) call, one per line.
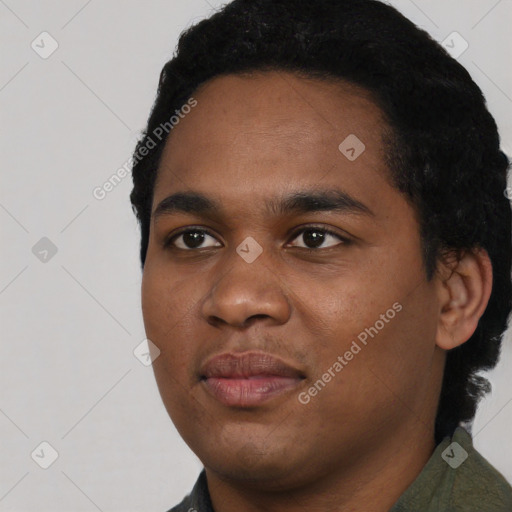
point(250, 391)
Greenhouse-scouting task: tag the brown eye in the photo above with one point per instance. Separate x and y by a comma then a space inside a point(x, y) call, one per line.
point(190, 239)
point(314, 237)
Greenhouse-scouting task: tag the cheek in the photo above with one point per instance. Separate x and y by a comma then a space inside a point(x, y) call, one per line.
point(155, 305)
point(166, 305)
point(338, 309)
point(384, 326)
point(167, 319)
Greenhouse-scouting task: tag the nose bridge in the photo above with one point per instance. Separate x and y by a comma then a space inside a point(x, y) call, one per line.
point(247, 286)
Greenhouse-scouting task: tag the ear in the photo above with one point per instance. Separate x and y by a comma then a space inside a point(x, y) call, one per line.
point(463, 289)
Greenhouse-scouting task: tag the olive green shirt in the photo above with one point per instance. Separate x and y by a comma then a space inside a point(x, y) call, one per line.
point(456, 478)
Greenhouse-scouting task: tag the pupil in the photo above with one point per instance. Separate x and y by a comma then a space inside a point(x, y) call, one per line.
point(193, 239)
point(311, 239)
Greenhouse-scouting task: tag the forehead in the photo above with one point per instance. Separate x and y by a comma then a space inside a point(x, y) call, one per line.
point(255, 134)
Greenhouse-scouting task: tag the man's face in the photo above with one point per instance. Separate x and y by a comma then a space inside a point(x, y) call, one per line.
point(307, 298)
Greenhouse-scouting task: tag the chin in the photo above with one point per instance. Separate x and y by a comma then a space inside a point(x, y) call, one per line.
point(259, 477)
point(249, 467)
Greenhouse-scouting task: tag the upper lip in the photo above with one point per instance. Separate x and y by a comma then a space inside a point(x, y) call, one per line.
point(247, 364)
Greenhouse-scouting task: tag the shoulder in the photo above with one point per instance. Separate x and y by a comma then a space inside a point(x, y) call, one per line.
point(184, 506)
point(476, 484)
point(457, 478)
point(198, 500)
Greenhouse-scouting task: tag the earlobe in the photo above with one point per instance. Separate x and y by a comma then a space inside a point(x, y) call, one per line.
point(463, 296)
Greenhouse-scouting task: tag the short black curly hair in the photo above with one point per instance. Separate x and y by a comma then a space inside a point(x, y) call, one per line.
point(443, 153)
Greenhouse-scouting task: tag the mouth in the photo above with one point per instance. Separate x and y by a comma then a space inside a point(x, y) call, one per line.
point(248, 379)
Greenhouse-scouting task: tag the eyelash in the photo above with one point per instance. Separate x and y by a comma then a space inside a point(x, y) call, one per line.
point(191, 229)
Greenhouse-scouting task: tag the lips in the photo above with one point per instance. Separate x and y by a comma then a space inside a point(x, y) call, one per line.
point(248, 379)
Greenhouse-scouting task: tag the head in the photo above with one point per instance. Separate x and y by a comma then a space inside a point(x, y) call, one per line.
point(425, 230)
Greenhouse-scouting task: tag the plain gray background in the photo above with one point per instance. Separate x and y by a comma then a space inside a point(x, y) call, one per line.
point(71, 319)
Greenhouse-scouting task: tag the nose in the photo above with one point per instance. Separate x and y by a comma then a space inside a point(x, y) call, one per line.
point(246, 292)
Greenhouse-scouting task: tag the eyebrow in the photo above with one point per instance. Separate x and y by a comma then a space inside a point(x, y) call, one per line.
point(298, 202)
